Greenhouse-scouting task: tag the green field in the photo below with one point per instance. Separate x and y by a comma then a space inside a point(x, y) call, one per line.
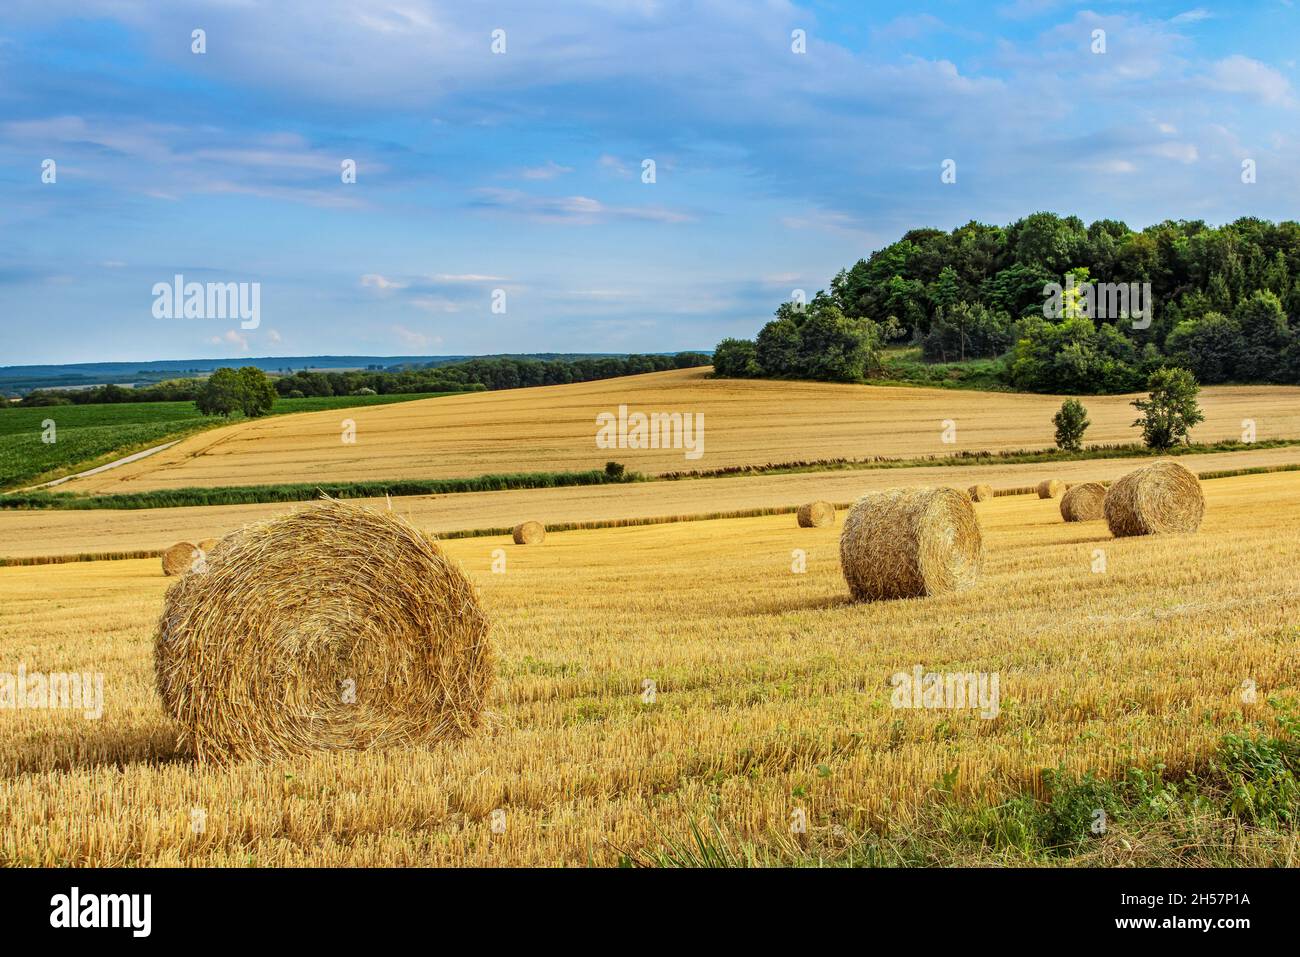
point(90, 435)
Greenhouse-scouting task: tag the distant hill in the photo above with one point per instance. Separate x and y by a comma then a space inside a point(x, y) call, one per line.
point(19, 380)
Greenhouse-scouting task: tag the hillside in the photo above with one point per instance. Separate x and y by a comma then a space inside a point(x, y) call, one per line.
point(746, 423)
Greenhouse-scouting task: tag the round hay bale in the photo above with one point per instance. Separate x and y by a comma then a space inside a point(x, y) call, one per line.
point(529, 533)
point(1158, 498)
point(208, 544)
point(178, 559)
point(980, 493)
point(1083, 503)
point(1051, 488)
point(329, 628)
point(815, 514)
point(909, 542)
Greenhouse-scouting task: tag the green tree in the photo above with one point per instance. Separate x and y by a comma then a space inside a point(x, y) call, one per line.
point(220, 394)
point(1171, 410)
point(736, 359)
point(1071, 422)
point(256, 393)
point(777, 348)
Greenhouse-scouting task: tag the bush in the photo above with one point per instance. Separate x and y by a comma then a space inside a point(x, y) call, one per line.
point(1171, 411)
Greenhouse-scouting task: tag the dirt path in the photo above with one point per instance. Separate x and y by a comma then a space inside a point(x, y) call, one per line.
point(126, 460)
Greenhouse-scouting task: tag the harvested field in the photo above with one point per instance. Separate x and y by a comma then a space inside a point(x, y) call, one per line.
point(27, 534)
point(771, 693)
point(553, 428)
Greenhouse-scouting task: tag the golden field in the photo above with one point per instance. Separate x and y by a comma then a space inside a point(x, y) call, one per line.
point(772, 694)
point(40, 532)
point(553, 428)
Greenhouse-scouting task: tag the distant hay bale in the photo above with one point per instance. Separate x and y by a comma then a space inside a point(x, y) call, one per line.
point(329, 628)
point(1083, 503)
point(1051, 488)
point(1158, 498)
point(529, 533)
point(980, 493)
point(178, 559)
point(208, 544)
point(815, 514)
point(909, 542)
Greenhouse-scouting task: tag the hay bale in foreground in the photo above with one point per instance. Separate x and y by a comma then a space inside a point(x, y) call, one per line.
point(909, 542)
point(1051, 488)
point(529, 533)
point(1083, 502)
point(1158, 498)
point(330, 628)
point(815, 514)
point(178, 559)
point(980, 493)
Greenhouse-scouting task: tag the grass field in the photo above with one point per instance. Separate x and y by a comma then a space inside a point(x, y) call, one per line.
point(772, 697)
point(92, 434)
point(553, 429)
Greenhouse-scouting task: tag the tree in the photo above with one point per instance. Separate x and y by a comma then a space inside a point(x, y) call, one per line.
point(736, 359)
point(777, 348)
point(227, 391)
point(1210, 347)
point(219, 395)
point(1071, 422)
point(1171, 410)
point(256, 393)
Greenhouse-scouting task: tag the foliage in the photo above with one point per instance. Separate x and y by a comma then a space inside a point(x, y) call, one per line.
point(1071, 422)
point(1171, 410)
point(1226, 302)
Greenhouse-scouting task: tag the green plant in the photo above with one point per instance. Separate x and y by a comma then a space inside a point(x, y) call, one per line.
point(1071, 422)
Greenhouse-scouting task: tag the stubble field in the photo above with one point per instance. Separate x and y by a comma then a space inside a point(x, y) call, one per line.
point(553, 428)
point(771, 697)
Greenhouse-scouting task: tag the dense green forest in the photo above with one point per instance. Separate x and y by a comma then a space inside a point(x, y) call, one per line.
point(1222, 302)
point(474, 375)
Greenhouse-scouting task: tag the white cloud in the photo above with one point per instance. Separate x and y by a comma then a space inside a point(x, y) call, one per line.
point(1242, 75)
point(373, 280)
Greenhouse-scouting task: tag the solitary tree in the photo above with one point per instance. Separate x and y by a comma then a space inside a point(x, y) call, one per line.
point(1171, 410)
point(219, 395)
point(227, 391)
point(1071, 422)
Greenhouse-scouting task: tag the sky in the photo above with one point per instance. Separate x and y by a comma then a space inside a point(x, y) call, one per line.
point(509, 168)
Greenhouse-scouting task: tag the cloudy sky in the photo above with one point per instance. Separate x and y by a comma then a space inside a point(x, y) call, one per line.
point(522, 170)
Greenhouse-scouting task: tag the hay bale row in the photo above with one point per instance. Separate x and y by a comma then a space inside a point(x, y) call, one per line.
point(1159, 498)
point(815, 514)
point(910, 542)
point(1051, 488)
point(980, 493)
point(529, 533)
point(330, 628)
point(1083, 502)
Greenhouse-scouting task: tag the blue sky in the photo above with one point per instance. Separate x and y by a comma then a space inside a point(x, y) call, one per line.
point(522, 171)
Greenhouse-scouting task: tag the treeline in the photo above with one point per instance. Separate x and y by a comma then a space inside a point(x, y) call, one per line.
point(478, 374)
point(474, 375)
point(1222, 302)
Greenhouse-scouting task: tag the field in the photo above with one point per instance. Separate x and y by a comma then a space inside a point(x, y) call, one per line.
point(747, 423)
point(92, 434)
point(33, 533)
point(771, 698)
